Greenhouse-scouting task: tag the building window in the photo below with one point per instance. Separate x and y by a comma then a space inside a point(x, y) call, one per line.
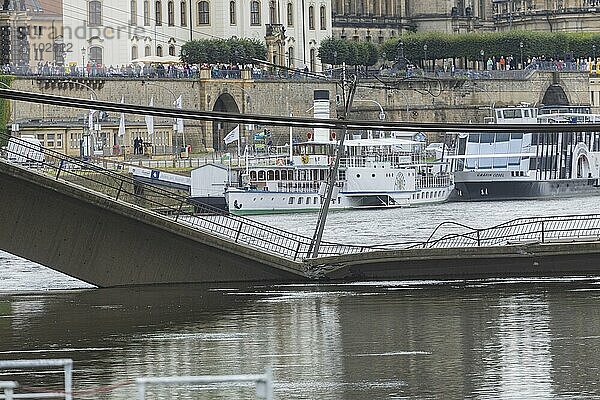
point(95, 13)
point(311, 17)
point(232, 16)
point(272, 13)
point(183, 13)
point(203, 13)
point(146, 13)
point(171, 13)
point(158, 13)
point(133, 12)
point(147, 51)
point(96, 55)
point(255, 13)
point(290, 14)
point(159, 51)
point(134, 52)
point(323, 18)
point(171, 50)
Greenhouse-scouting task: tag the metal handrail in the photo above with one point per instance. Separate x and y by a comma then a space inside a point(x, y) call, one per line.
point(276, 241)
point(521, 230)
point(264, 382)
point(168, 204)
point(65, 363)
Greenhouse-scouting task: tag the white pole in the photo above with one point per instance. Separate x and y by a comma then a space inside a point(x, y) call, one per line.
point(291, 141)
point(247, 166)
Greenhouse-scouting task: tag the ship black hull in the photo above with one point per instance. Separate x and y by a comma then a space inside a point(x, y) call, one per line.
point(523, 190)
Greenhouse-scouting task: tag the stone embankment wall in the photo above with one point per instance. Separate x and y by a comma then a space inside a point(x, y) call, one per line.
point(418, 100)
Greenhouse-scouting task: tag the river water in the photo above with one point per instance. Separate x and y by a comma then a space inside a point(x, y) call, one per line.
point(504, 338)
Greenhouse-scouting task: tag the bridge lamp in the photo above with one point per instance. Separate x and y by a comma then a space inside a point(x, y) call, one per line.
point(521, 48)
point(482, 53)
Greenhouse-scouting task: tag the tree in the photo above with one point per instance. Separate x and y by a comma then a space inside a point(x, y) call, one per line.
point(338, 51)
point(233, 50)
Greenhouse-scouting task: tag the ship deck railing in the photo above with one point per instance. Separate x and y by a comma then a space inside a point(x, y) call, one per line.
point(433, 181)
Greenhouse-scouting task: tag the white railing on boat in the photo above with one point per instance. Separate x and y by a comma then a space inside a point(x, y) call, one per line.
point(429, 181)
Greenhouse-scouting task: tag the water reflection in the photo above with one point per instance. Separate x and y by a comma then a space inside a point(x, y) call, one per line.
point(518, 353)
point(478, 339)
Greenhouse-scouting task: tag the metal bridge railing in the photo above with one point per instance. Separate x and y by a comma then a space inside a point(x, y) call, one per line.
point(554, 229)
point(179, 208)
point(247, 232)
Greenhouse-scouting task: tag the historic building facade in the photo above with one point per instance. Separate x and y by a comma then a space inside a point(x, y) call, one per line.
point(115, 32)
point(378, 20)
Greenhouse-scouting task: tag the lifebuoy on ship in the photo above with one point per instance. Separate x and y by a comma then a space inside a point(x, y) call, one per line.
point(332, 135)
point(280, 161)
point(305, 159)
point(309, 135)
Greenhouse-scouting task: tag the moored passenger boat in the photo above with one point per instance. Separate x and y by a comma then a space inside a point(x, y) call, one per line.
point(521, 165)
point(374, 173)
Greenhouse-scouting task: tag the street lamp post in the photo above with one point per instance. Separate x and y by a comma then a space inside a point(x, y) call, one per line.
point(175, 127)
point(381, 112)
point(95, 127)
point(521, 49)
point(482, 54)
point(83, 61)
point(425, 57)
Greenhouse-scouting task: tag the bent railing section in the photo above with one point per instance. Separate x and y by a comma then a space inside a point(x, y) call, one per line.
point(119, 186)
point(555, 229)
point(98, 177)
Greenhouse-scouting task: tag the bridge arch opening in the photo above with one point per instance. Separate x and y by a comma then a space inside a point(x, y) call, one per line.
point(225, 103)
point(555, 96)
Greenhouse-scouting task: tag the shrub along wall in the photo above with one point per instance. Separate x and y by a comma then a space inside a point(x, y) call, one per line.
point(469, 46)
point(4, 109)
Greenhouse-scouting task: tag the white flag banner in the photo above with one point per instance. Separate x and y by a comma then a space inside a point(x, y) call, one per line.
point(122, 121)
point(91, 116)
point(150, 121)
point(179, 104)
point(233, 135)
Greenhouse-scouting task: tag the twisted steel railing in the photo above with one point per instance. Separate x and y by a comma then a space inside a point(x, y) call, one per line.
point(553, 229)
point(243, 231)
point(177, 207)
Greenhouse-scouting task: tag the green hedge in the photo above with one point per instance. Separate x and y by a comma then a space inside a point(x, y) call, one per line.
point(232, 50)
point(470, 45)
point(339, 51)
point(5, 110)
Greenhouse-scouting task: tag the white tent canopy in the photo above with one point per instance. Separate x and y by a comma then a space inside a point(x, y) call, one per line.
point(158, 60)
